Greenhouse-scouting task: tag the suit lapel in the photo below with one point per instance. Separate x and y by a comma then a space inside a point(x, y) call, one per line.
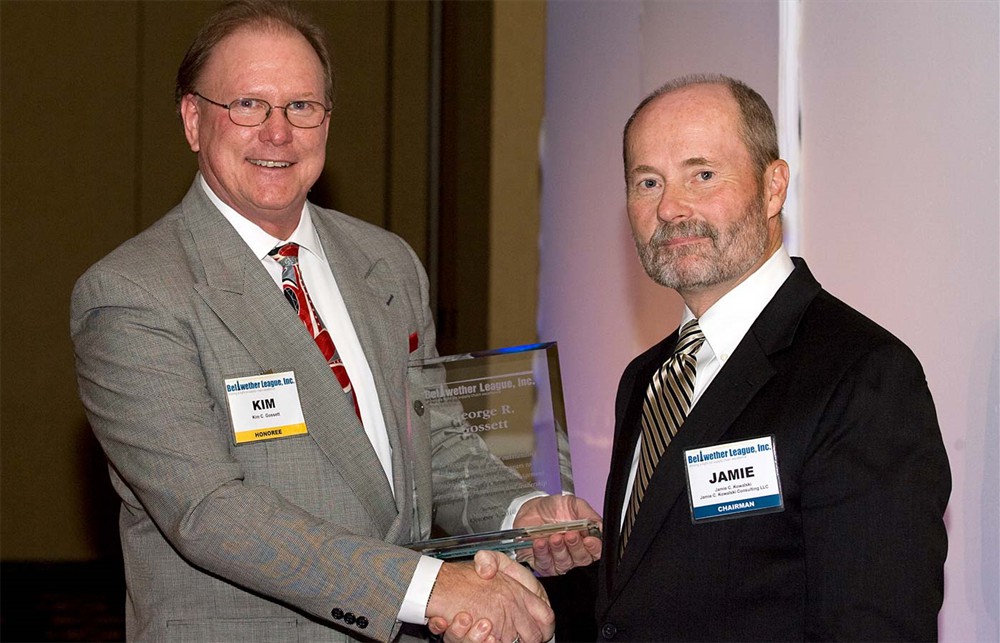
point(748, 369)
point(241, 292)
point(627, 435)
point(731, 390)
point(371, 295)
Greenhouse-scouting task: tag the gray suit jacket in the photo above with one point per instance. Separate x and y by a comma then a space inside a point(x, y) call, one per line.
point(272, 541)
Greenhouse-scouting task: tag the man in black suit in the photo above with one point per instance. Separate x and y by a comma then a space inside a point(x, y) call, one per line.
point(801, 496)
point(783, 477)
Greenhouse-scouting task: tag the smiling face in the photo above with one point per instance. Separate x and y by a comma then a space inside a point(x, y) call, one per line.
point(703, 220)
point(262, 172)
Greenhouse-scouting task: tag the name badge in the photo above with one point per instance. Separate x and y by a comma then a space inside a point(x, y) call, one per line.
point(264, 407)
point(733, 479)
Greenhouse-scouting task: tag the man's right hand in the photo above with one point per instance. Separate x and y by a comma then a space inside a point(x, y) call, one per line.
point(513, 602)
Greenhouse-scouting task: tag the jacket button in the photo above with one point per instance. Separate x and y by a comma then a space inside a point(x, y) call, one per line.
point(418, 406)
point(337, 613)
point(609, 630)
point(350, 618)
point(362, 622)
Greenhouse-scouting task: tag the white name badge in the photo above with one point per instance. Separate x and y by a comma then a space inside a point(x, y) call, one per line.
point(733, 479)
point(265, 407)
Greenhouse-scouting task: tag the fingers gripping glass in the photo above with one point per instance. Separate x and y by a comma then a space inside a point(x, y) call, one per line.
point(251, 112)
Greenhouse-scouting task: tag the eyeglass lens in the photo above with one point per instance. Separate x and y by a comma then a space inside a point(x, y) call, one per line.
point(300, 113)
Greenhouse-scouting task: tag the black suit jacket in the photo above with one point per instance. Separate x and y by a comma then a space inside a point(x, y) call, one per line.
point(857, 553)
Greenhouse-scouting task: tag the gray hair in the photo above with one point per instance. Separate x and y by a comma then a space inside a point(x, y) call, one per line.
point(756, 120)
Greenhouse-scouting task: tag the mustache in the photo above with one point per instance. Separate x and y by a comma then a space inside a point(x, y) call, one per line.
point(669, 231)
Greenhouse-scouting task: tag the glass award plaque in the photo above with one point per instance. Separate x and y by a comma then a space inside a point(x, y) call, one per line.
point(498, 432)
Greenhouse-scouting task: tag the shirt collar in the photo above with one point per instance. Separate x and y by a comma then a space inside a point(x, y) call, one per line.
point(260, 242)
point(728, 320)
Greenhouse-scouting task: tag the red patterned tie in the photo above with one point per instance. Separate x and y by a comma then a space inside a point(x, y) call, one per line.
point(295, 292)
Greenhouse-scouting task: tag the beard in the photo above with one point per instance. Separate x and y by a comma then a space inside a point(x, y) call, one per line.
point(734, 250)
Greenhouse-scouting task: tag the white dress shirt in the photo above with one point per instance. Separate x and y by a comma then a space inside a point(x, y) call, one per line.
point(326, 297)
point(724, 325)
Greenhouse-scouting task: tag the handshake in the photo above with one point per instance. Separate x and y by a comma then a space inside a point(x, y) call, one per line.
point(494, 599)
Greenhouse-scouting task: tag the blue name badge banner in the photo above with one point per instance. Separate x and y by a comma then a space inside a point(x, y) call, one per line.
point(733, 479)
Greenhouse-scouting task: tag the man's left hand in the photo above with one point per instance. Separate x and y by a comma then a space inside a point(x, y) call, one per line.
point(558, 553)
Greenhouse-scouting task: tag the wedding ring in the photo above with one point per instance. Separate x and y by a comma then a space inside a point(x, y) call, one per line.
point(517, 639)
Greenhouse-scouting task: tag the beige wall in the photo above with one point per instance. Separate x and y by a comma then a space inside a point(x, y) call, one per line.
point(92, 153)
point(515, 180)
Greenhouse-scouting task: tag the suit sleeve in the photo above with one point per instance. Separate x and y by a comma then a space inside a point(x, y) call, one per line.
point(148, 402)
point(874, 491)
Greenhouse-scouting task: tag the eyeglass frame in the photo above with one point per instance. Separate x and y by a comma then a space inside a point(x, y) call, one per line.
point(270, 108)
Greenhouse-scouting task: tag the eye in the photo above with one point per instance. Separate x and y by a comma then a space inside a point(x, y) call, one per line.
point(706, 175)
point(246, 103)
point(305, 107)
point(644, 183)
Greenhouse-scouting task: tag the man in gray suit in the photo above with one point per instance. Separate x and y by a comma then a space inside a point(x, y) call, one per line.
point(261, 450)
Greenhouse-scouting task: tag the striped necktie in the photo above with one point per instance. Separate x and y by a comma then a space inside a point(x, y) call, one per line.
point(295, 292)
point(668, 399)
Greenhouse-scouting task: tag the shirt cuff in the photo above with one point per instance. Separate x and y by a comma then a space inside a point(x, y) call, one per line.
point(414, 608)
point(515, 506)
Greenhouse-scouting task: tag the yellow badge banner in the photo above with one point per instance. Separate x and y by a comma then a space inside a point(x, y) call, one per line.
point(269, 434)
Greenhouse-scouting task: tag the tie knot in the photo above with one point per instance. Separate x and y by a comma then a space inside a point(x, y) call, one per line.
point(689, 339)
point(286, 255)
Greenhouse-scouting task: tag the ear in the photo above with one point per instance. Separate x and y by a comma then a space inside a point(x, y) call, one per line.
point(775, 186)
point(191, 117)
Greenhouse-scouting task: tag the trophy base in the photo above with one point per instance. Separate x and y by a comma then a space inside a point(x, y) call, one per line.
point(507, 540)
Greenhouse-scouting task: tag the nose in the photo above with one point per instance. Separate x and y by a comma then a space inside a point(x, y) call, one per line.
point(276, 129)
point(674, 204)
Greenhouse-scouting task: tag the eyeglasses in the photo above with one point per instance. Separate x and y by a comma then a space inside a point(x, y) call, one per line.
point(251, 112)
